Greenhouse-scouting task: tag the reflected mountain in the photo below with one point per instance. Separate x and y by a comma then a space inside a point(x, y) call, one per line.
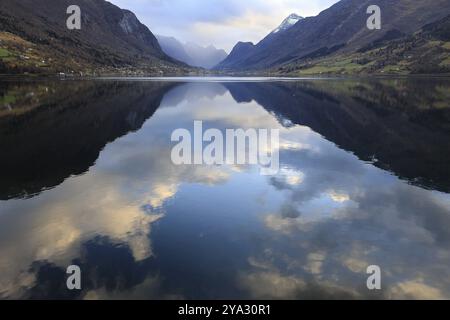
point(402, 126)
point(57, 129)
point(54, 130)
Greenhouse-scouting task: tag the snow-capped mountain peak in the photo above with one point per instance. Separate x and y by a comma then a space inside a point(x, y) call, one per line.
point(288, 23)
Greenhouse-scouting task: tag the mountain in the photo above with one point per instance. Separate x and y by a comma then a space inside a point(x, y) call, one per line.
point(341, 28)
point(34, 38)
point(244, 50)
point(191, 53)
point(240, 52)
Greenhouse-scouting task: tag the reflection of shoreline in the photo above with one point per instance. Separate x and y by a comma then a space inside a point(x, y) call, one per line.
point(49, 143)
point(388, 123)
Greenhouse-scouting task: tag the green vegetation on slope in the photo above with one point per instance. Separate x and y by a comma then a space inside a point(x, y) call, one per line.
point(426, 51)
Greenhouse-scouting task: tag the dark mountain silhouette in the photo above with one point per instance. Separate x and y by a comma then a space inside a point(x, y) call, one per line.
point(63, 136)
point(240, 52)
point(375, 120)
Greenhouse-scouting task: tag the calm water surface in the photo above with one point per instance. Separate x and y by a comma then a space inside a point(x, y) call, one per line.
point(86, 178)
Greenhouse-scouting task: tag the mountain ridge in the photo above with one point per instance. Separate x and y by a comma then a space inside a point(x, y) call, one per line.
point(342, 27)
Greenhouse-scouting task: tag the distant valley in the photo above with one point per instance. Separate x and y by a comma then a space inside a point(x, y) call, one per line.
point(191, 53)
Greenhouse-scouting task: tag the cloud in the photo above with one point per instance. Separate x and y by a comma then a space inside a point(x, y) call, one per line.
point(218, 22)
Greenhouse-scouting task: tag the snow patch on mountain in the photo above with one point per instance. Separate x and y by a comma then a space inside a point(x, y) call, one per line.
point(288, 23)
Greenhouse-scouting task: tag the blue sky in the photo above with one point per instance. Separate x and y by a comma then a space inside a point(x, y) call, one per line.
point(221, 23)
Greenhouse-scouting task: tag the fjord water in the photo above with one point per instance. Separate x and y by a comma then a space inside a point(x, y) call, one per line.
point(87, 179)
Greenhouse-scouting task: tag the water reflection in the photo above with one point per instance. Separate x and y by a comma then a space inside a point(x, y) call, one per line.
point(63, 129)
point(87, 179)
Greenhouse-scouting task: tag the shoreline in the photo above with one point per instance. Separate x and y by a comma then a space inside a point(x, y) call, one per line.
point(222, 77)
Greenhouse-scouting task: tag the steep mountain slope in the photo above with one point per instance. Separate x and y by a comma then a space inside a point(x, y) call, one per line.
point(191, 53)
point(240, 52)
point(35, 38)
point(340, 28)
point(426, 51)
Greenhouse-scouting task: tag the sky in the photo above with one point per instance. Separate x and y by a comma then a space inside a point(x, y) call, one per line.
point(221, 23)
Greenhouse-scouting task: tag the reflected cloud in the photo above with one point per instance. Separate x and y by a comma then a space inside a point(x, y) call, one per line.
point(415, 290)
